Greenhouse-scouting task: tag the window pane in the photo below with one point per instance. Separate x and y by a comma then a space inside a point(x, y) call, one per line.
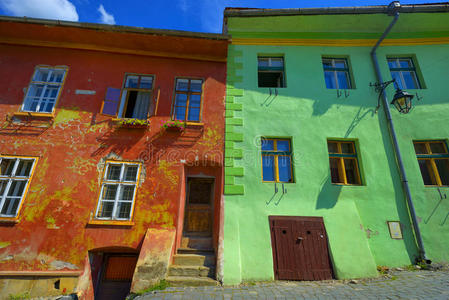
point(181, 100)
point(405, 63)
point(277, 62)
point(195, 100)
point(262, 62)
point(24, 167)
point(330, 80)
point(196, 85)
point(335, 174)
point(113, 172)
point(392, 63)
point(351, 171)
point(41, 75)
point(180, 113)
point(146, 82)
point(420, 148)
point(443, 170)
point(340, 63)
point(56, 76)
point(7, 166)
point(284, 164)
point(46, 106)
point(10, 206)
point(283, 145)
point(109, 191)
point(410, 80)
point(132, 81)
point(270, 79)
point(194, 114)
point(127, 192)
point(106, 209)
point(327, 63)
point(347, 148)
point(438, 147)
point(3, 184)
point(267, 145)
point(268, 168)
point(426, 172)
point(182, 84)
point(16, 188)
point(332, 147)
point(124, 210)
point(343, 80)
point(131, 172)
point(398, 83)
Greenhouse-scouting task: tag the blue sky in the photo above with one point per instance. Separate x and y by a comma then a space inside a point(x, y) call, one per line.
point(191, 15)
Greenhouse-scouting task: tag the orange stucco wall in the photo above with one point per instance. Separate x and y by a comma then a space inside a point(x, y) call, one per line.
point(53, 221)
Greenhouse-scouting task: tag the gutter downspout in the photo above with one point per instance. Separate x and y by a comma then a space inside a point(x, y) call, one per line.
point(411, 207)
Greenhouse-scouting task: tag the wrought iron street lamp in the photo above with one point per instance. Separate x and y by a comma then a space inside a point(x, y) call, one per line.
point(401, 100)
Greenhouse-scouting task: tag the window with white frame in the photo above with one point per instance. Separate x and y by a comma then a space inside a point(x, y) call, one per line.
point(336, 73)
point(403, 70)
point(15, 174)
point(118, 191)
point(44, 89)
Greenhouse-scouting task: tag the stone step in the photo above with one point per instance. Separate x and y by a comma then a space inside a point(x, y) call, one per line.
point(198, 243)
point(190, 281)
point(207, 260)
point(194, 271)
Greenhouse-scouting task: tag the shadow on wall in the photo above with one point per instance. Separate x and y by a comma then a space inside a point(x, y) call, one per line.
point(278, 194)
point(328, 195)
point(400, 200)
point(359, 116)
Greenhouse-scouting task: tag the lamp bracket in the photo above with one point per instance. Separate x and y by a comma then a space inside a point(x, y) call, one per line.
point(379, 87)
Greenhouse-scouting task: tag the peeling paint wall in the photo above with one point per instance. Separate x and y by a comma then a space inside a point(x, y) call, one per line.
point(52, 232)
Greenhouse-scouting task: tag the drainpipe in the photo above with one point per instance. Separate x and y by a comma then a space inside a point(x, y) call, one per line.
point(422, 253)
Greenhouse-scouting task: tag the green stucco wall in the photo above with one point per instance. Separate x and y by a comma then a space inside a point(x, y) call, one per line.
point(305, 111)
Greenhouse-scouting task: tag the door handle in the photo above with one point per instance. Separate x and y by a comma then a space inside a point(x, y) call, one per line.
point(299, 239)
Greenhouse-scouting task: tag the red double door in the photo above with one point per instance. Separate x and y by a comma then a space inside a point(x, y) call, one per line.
point(300, 249)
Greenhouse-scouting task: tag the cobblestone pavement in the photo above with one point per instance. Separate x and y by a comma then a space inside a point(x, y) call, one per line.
point(397, 285)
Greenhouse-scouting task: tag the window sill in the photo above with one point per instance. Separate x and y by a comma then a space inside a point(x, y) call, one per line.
point(5, 220)
point(33, 114)
point(342, 184)
point(110, 223)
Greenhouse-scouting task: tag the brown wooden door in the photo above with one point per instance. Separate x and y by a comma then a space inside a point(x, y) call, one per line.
point(198, 219)
point(117, 276)
point(300, 249)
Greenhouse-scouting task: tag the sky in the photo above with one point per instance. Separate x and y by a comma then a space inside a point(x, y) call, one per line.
point(190, 15)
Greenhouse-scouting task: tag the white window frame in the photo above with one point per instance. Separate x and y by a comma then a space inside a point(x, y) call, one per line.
point(11, 178)
point(402, 84)
point(46, 84)
point(120, 183)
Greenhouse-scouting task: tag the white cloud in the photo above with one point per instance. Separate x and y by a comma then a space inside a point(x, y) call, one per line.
point(106, 17)
point(47, 9)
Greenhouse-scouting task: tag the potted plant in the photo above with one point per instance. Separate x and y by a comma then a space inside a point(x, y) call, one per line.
point(133, 123)
point(173, 125)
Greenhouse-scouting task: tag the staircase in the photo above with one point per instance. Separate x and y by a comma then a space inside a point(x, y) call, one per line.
point(194, 264)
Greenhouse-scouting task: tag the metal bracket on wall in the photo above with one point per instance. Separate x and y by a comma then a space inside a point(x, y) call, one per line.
point(339, 93)
point(346, 93)
point(418, 97)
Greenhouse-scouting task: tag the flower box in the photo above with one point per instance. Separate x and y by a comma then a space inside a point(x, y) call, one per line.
point(173, 126)
point(132, 123)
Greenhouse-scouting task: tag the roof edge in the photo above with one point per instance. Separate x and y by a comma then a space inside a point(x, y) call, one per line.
point(377, 9)
point(116, 28)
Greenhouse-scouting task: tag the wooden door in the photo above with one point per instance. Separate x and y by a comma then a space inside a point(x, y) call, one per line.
point(198, 219)
point(118, 271)
point(300, 250)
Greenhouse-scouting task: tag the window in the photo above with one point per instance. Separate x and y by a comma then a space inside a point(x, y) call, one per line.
point(135, 101)
point(433, 160)
point(15, 175)
point(343, 162)
point(336, 73)
point(187, 105)
point(118, 190)
point(44, 89)
point(276, 160)
point(403, 70)
point(270, 72)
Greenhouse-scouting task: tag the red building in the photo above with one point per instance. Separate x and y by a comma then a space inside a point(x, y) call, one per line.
point(111, 155)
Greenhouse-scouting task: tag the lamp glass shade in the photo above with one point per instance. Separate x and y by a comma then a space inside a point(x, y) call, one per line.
point(402, 101)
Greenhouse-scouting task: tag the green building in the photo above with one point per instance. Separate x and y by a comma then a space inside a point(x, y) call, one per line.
point(313, 186)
